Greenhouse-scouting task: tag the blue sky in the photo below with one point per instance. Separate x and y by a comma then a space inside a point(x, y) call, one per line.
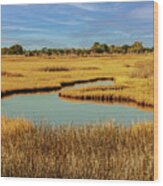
point(77, 25)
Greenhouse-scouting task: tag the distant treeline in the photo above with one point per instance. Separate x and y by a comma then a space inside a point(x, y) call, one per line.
point(97, 48)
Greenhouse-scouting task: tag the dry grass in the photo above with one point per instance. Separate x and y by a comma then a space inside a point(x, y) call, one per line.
point(134, 85)
point(133, 71)
point(9, 74)
point(55, 69)
point(101, 151)
point(114, 93)
point(143, 70)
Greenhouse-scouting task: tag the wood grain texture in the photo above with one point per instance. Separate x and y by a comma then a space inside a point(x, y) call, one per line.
point(155, 90)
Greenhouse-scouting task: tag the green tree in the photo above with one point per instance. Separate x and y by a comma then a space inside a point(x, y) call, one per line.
point(44, 50)
point(125, 48)
point(96, 48)
point(104, 48)
point(49, 52)
point(112, 48)
point(5, 50)
point(16, 49)
point(137, 47)
point(78, 52)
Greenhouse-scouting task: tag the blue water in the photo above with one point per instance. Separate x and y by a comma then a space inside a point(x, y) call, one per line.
point(89, 84)
point(52, 109)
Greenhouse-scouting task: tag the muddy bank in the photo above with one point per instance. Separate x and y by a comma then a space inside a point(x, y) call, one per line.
point(53, 88)
point(65, 84)
point(106, 98)
point(28, 91)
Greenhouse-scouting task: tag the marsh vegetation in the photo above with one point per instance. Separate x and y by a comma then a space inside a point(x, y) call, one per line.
point(39, 73)
point(101, 151)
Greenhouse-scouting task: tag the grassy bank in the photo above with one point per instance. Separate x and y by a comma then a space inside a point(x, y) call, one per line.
point(134, 72)
point(50, 88)
point(122, 94)
point(132, 86)
point(101, 151)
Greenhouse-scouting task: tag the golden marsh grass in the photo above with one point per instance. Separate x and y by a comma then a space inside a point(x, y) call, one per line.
point(133, 71)
point(103, 151)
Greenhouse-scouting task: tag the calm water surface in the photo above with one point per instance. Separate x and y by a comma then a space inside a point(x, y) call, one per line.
point(82, 85)
point(54, 110)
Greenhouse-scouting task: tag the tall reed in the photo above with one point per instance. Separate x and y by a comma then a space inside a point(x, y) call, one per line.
point(102, 151)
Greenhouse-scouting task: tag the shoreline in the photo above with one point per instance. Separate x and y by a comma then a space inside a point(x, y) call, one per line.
point(8, 93)
point(108, 98)
point(100, 99)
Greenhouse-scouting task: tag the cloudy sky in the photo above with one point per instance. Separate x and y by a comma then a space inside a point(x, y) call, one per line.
point(77, 25)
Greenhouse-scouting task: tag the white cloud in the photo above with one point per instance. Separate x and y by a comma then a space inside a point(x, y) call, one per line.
point(85, 6)
point(20, 28)
point(61, 22)
point(101, 7)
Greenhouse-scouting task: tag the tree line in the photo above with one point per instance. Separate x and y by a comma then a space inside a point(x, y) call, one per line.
point(97, 48)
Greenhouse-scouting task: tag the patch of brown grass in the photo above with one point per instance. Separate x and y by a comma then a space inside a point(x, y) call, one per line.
point(9, 74)
point(89, 68)
point(143, 70)
point(103, 151)
point(54, 69)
